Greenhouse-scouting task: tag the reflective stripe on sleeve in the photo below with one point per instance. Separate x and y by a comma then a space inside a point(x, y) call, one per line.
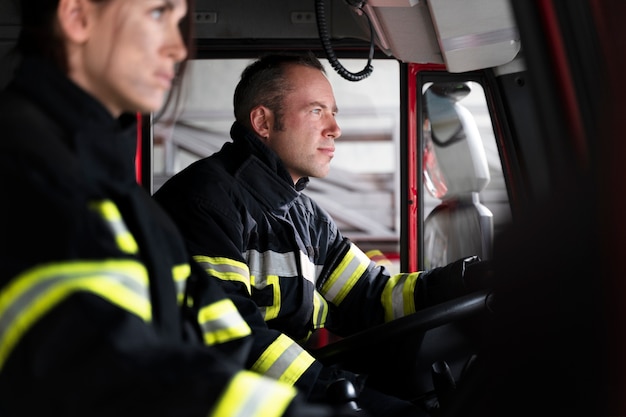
point(181, 274)
point(34, 293)
point(221, 322)
point(346, 275)
point(320, 310)
point(109, 211)
point(379, 258)
point(252, 395)
point(284, 360)
point(398, 296)
point(225, 269)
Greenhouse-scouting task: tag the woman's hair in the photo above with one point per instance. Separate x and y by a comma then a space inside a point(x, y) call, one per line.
point(264, 83)
point(39, 35)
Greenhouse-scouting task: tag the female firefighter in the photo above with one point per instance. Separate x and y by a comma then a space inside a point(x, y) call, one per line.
point(101, 311)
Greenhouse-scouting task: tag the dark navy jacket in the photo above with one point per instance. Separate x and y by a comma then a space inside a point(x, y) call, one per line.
point(101, 311)
point(246, 223)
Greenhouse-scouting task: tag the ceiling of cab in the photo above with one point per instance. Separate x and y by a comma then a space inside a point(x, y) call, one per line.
point(272, 19)
point(463, 34)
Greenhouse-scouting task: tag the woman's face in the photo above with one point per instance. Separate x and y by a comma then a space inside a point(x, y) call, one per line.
point(128, 58)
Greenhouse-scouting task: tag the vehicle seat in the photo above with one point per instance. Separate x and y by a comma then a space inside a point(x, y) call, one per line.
point(455, 171)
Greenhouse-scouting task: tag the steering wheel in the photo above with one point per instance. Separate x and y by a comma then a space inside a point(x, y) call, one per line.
point(400, 356)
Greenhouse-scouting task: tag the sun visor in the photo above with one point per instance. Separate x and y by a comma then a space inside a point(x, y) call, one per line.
point(474, 34)
point(465, 35)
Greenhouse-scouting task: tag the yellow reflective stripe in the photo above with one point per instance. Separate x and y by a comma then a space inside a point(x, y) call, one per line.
point(221, 322)
point(252, 395)
point(271, 312)
point(31, 295)
point(346, 275)
point(379, 258)
point(180, 274)
point(225, 269)
point(124, 239)
point(284, 360)
point(320, 310)
point(398, 296)
point(287, 264)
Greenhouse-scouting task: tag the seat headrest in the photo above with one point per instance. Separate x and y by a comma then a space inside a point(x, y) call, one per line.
point(455, 162)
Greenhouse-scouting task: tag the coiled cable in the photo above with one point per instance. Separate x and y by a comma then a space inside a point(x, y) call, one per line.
point(330, 53)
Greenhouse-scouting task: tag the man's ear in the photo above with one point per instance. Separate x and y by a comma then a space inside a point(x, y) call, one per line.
point(74, 19)
point(261, 119)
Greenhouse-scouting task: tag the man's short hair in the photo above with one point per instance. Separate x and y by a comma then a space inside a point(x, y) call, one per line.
point(264, 83)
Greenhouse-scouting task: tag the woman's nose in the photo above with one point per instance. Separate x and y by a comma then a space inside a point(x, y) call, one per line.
point(177, 48)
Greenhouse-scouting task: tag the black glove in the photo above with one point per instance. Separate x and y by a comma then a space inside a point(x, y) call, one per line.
point(339, 389)
point(330, 375)
point(343, 394)
point(479, 276)
point(456, 279)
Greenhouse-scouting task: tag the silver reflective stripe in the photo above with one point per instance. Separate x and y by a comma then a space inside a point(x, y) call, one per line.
point(262, 264)
point(309, 270)
point(320, 310)
point(398, 296)
point(318, 272)
point(31, 295)
point(252, 395)
point(345, 275)
point(180, 274)
point(225, 269)
point(221, 322)
point(283, 360)
point(249, 406)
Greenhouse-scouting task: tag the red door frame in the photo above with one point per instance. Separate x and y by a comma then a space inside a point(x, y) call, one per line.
point(414, 180)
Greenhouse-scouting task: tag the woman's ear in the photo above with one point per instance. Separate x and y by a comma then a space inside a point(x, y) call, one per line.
point(261, 121)
point(74, 19)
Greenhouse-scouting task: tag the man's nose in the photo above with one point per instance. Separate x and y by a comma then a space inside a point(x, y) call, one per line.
point(333, 129)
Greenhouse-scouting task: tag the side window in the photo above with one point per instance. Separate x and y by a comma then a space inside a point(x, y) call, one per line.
point(465, 198)
point(361, 190)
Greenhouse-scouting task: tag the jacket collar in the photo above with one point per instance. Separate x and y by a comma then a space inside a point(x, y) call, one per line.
point(105, 146)
point(262, 172)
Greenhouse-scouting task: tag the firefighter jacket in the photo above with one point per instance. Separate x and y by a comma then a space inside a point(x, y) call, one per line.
point(246, 223)
point(101, 312)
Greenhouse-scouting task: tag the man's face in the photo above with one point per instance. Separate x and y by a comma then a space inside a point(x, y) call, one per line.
point(306, 142)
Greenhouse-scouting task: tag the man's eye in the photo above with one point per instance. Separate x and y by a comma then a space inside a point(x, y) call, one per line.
point(316, 111)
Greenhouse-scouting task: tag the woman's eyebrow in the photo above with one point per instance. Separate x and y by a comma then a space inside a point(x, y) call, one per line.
point(172, 4)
